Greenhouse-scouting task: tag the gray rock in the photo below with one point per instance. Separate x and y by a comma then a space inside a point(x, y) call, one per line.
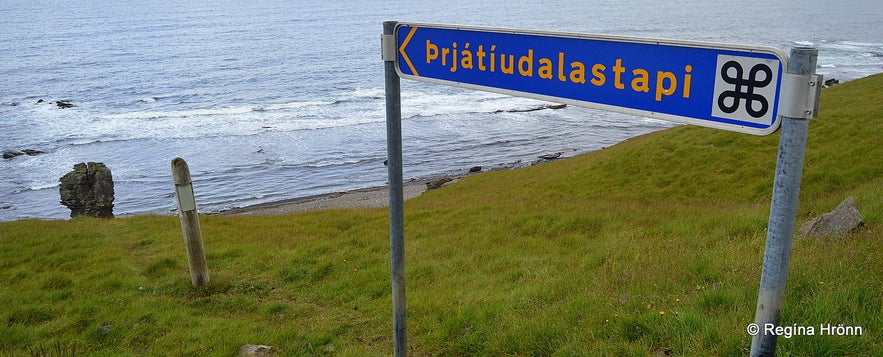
point(257, 351)
point(105, 329)
point(8, 154)
point(550, 157)
point(842, 219)
point(434, 184)
point(533, 109)
point(64, 104)
point(31, 152)
point(88, 190)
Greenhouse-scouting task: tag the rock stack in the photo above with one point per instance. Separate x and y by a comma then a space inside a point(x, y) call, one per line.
point(88, 190)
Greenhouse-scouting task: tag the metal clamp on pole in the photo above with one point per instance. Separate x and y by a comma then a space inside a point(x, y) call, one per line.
point(799, 95)
point(388, 47)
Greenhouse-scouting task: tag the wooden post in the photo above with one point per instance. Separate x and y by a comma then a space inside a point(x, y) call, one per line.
point(189, 222)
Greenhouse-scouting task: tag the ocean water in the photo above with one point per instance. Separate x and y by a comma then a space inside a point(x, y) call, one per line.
point(270, 99)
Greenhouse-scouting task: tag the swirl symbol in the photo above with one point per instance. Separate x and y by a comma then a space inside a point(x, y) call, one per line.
point(744, 88)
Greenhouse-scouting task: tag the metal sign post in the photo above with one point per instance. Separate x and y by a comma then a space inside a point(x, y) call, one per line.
point(783, 210)
point(396, 190)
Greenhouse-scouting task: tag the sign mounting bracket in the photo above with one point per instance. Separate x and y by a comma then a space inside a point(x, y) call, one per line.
point(800, 95)
point(388, 48)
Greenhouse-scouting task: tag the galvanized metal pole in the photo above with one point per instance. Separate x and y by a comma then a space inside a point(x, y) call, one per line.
point(396, 194)
point(783, 213)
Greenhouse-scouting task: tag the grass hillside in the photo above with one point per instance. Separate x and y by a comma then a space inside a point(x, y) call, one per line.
point(650, 247)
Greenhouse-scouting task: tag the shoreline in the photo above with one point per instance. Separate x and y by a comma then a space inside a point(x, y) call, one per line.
point(358, 198)
point(370, 197)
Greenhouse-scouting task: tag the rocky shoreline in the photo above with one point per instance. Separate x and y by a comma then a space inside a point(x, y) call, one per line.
point(372, 197)
point(364, 198)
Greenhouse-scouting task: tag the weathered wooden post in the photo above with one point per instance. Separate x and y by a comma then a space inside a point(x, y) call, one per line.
point(189, 222)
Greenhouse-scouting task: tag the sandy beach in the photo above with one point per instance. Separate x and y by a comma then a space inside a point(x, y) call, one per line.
point(373, 197)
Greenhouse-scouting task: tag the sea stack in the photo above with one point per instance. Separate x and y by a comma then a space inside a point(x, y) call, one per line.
point(88, 190)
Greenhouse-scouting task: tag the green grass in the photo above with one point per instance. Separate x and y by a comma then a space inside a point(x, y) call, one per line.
point(651, 245)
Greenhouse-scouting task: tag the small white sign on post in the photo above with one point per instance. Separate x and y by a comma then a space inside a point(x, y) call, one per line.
point(186, 199)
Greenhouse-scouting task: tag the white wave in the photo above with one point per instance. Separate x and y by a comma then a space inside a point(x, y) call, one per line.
point(862, 44)
point(295, 105)
point(235, 110)
point(369, 93)
point(327, 163)
point(315, 124)
point(45, 186)
point(848, 47)
point(427, 104)
point(201, 126)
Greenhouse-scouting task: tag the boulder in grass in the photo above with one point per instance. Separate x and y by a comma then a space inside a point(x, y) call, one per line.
point(434, 184)
point(846, 217)
point(257, 351)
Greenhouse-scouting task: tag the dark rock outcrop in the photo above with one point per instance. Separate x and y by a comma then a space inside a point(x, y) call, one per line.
point(550, 157)
point(8, 154)
point(64, 104)
point(475, 169)
point(88, 190)
point(11, 153)
point(31, 152)
point(543, 107)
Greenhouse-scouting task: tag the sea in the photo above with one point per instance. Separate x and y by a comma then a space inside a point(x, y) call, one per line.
point(269, 100)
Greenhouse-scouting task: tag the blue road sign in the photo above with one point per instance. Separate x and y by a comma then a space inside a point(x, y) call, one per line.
point(729, 87)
